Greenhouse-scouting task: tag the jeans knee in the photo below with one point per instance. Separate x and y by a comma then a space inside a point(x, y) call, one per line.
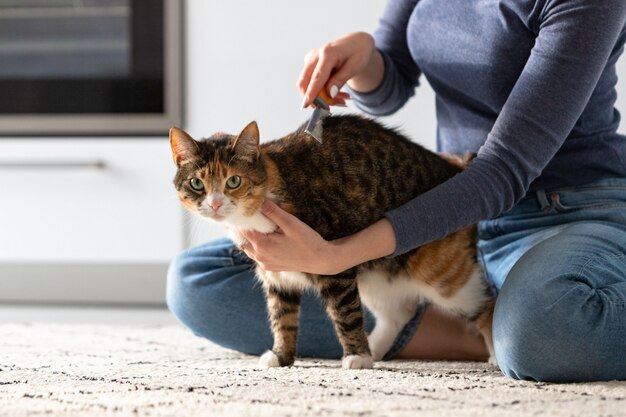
point(197, 274)
point(175, 290)
point(508, 341)
point(539, 333)
point(530, 319)
point(559, 314)
point(206, 289)
point(190, 285)
point(517, 357)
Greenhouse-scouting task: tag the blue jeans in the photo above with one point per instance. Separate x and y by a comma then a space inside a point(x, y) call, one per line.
point(557, 261)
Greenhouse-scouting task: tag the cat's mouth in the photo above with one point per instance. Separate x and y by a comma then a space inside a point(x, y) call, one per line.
point(212, 215)
point(217, 217)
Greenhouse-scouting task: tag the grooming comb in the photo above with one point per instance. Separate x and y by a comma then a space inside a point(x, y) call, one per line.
point(322, 110)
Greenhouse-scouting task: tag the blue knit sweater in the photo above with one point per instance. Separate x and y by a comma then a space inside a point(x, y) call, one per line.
point(527, 84)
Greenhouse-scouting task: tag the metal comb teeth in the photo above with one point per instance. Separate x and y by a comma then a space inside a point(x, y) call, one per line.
point(314, 126)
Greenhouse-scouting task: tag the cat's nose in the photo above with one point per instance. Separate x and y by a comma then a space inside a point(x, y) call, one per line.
point(215, 205)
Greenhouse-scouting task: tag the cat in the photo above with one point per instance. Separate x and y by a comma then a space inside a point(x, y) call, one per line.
point(361, 170)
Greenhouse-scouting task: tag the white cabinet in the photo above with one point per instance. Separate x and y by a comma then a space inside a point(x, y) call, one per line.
point(73, 209)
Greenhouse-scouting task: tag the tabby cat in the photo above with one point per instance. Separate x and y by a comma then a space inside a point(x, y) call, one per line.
point(339, 187)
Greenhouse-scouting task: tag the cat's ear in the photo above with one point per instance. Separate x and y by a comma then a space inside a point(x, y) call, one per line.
point(184, 148)
point(247, 143)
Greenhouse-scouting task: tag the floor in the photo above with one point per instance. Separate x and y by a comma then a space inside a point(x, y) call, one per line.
point(139, 369)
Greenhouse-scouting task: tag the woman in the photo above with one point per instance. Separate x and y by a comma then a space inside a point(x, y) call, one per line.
point(529, 85)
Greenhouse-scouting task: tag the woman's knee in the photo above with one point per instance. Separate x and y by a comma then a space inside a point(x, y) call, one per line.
point(177, 283)
point(202, 285)
point(520, 339)
point(551, 326)
point(202, 267)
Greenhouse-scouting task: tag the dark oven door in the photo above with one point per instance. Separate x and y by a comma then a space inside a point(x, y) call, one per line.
point(94, 67)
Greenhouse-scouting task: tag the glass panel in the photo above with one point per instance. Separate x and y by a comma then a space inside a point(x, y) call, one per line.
point(65, 39)
point(81, 56)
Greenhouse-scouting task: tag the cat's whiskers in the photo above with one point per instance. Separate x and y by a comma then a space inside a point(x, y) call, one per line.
point(193, 227)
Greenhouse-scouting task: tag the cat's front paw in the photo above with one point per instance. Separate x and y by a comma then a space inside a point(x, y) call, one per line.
point(269, 360)
point(357, 362)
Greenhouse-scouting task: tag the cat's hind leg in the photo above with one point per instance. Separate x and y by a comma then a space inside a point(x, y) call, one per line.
point(343, 304)
point(284, 312)
point(389, 323)
point(390, 303)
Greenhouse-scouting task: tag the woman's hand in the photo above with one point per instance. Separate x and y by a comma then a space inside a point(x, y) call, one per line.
point(294, 247)
point(297, 247)
point(351, 59)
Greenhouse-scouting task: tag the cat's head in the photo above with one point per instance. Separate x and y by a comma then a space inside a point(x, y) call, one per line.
point(221, 177)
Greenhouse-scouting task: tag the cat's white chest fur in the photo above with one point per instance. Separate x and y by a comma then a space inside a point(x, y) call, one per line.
point(257, 222)
point(288, 280)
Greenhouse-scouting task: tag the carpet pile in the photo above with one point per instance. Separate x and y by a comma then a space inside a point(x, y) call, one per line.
point(80, 370)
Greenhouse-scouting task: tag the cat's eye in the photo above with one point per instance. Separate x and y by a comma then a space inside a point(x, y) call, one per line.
point(196, 184)
point(233, 182)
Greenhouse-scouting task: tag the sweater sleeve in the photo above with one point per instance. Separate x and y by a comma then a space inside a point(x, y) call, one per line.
point(401, 72)
point(574, 41)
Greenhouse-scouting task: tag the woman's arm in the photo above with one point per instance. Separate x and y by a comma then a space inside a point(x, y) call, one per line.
point(401, 73)
point(575, 39)
point(297, 247)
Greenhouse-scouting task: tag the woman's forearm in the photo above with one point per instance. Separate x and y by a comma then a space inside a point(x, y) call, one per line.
point(373, 242)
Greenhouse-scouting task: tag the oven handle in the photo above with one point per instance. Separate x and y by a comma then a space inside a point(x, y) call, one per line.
point(54, 164)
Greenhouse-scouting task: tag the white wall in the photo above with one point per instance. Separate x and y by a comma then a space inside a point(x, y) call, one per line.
point(244, 57)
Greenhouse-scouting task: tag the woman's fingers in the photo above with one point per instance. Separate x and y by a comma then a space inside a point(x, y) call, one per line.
point(258, 247)
point(310, 61)
point(340, 77)
point(328, 59)
point(285, 221)
point(255, 242)
point(331, 66)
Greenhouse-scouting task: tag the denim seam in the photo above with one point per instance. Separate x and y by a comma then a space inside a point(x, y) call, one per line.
point(579, 274)
point(407, 333)
point(563, 208)
point(594, 260)
point(576, 188)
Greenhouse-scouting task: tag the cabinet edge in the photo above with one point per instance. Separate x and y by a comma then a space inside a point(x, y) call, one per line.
point(84, 283)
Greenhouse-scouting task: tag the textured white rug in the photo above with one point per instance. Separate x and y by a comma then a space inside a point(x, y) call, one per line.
point(63, 370)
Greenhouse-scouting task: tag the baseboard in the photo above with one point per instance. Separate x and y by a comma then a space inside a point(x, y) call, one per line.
point(89, 283)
